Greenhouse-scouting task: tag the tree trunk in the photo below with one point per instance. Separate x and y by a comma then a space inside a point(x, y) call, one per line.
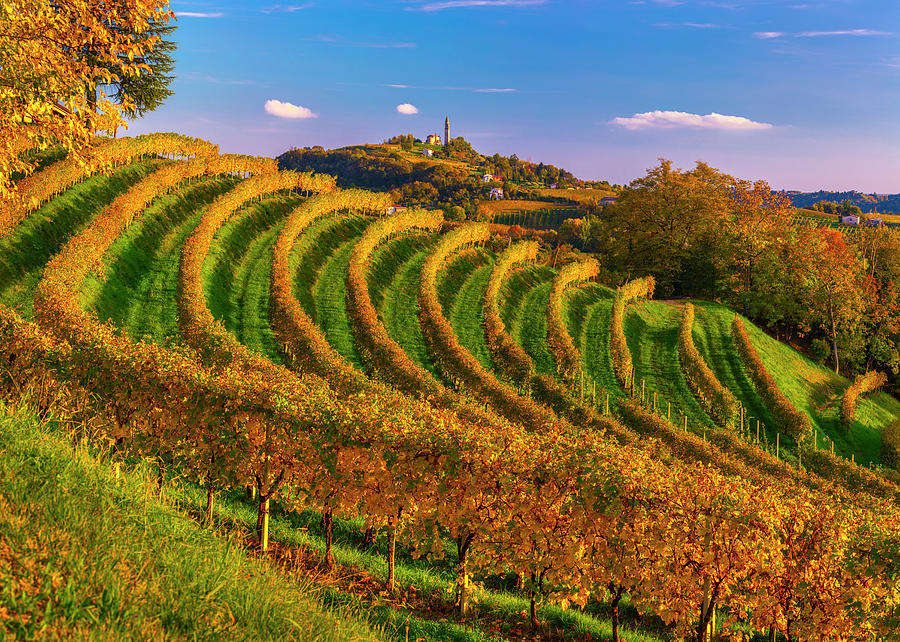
point(772, 634)
point(462, 582)
point(368, 538)
point(209, 504)
point(617, 592)
point(532, 610)
point(837, 364)
point(262, 524)
point(328, 518)
point(392, 549)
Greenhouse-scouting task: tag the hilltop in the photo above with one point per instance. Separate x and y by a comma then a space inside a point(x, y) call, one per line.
point(456, 175)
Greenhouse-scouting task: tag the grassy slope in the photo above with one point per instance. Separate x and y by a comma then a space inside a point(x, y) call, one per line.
point(312, 250)
point(236, 273)
point(812, 388)
point(86, 555)
point(467, 314)
point(651, 328)
point(27, 249)
point(330, 294)
point(394, 284)
point(594, 342)
point(140, 284)
point(532, 328)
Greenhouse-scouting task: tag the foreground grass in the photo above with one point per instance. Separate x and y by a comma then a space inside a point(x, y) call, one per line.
point(85, 553)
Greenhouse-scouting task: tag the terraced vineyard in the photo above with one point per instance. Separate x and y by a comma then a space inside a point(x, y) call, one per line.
point(402, 433)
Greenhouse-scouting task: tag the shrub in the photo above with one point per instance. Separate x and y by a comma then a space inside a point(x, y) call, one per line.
point(864, 383)
point(795, 423)
point(718, 400)
point(618, 344)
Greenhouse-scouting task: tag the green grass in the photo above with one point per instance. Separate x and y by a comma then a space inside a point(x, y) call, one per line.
point(139, 287)
point(313, 249)
point(330, 295)
point(237, 269)
point(651, 328)
point(532, 329)
point(594, 344)
point(86, 555)
point(812, 388)
point(467, 314)
point(25, 252)
point(394, 286)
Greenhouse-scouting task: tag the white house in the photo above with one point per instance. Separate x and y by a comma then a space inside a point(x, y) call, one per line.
point(850, 220)
point(875, 222)
point(496, 194)
point(427, 153)
point(487, 178)
point(393, 209)
point(554, 185)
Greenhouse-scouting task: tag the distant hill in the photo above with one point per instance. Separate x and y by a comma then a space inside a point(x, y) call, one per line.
point(882, 203)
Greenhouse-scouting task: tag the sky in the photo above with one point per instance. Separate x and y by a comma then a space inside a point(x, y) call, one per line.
point(804, 94)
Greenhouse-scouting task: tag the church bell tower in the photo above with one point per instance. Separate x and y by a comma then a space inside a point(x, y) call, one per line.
point(447, 131)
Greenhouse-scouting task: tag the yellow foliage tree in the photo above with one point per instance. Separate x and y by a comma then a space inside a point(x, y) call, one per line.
point(53, 56)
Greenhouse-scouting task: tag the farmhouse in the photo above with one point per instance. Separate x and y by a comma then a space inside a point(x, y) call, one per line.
point(496, 194)
point(427, 153)
point(874, 222)
point(850, 220)
point(608, 200)
point(487, 178)
point(433, 139)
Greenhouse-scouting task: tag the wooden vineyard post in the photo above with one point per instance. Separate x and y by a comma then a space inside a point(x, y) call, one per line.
point(654, 401)
point(643, 390)
point(777, 445)
point(669, 413)
point(685, 422)
point(594, 393)
point(832, 448)
point(606, 409)
point(582, 385)
point(815, 439)
point(757, 432)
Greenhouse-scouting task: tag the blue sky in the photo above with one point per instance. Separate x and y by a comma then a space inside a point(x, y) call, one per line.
point(802, 93)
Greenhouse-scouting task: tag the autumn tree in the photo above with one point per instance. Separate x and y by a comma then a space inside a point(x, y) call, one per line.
point(51, 51)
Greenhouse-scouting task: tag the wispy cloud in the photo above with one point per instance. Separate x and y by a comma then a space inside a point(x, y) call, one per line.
point(201, 77)
point(407, 109)
point(459, 4)
point(679, 119)
point(495, 90)
point(475, 90)
point(288, 110)
point(198, 14)
point(766, 35)
point(687, 25)
point(340, 42)
point(845, 32)
point(398, 86)
point(287, 8)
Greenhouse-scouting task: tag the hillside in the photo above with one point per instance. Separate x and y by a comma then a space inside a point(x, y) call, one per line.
point(426, 424)
point(882, 203)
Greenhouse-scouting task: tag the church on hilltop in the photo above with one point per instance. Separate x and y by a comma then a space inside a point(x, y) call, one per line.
point(435, 139)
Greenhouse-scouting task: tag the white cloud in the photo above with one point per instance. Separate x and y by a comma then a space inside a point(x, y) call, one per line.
point(679, 119)
point(494, 90)
point(407, 109)
point(693, 25)
point(765, 35)
point(286, 8)
point(288, 110)
point(398, 86)
point(844, 32)
point(197, 14)
point(456, 4)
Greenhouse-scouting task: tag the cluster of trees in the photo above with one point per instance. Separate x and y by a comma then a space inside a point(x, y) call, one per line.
point(703, 233)
point(512, 169)
point(845, 208)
